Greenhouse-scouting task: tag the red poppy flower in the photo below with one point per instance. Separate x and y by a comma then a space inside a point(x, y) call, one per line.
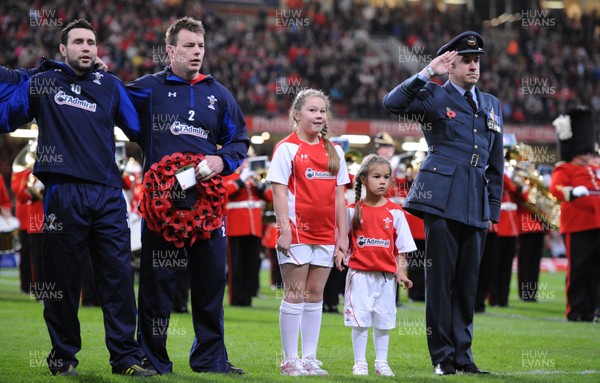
point(181, 226)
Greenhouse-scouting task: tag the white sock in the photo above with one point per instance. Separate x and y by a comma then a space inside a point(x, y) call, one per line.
point(381, 340)
point(290, 315)
point(359, 343)
point(311, 328)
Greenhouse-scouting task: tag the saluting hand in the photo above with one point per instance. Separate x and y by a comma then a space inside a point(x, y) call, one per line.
point(442, 64)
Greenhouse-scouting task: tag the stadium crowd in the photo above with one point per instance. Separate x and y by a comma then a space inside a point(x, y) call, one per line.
point(265, 59)
point(535, 70)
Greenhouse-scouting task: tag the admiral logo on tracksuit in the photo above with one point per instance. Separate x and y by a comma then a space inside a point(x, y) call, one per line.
point(200, 106)
point(85, 214)
point(96, 107)
point(199, 117)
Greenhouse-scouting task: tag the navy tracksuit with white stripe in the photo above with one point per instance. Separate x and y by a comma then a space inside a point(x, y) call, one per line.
point(83, 203)
point(200, 117)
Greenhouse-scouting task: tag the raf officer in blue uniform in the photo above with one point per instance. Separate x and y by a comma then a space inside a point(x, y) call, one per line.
point(457, 190)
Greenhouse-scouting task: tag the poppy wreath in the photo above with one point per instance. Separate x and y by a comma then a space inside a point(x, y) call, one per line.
point(158, 206)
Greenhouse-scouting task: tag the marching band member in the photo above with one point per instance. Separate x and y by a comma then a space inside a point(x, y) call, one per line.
point(246, 198)
point(18, 184)
point(500, 249)
point(507, 231)
point(576, 183)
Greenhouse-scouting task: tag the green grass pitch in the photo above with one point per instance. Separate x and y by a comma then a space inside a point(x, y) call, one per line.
point(522, 343)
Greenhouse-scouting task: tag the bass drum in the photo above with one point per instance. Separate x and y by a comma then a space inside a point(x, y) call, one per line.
point(9, 235)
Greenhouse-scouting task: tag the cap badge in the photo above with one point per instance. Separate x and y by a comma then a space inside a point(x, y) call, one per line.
point(471, 41)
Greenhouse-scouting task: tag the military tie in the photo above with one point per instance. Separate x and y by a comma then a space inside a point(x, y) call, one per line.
point(469, 97)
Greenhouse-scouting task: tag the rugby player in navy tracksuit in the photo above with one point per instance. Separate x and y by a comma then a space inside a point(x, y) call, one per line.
point(182, 110)
point(76, 109)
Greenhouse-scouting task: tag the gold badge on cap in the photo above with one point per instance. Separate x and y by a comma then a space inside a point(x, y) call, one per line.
point(471, 41)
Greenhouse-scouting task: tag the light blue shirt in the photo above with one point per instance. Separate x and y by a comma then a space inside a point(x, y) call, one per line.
point(463, 91)
point(458, 88)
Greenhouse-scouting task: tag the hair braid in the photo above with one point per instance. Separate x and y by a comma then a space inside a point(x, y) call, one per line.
point(333, 164)
point(357, 209)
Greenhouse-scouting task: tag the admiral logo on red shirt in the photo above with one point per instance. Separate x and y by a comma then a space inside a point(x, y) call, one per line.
point(363, 241)
point(310, 174)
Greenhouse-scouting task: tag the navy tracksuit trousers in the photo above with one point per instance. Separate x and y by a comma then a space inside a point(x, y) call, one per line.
point(205, 262)
point(78, 217)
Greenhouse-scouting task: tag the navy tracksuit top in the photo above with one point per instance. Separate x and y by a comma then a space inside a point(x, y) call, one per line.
point(76, 116)
point(177, 116)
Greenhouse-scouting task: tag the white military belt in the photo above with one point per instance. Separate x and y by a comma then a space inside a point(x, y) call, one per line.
point(245, 205)
point(508, 206)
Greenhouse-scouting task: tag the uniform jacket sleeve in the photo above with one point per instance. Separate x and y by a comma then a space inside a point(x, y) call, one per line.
point(560, 179)
point(413, 96)
point(495, 172)
point(18, 184)
point(233, 183)
point(4, 197)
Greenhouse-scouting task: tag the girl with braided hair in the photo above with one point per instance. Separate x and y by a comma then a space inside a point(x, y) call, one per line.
point(307, 174)
point(379, 238)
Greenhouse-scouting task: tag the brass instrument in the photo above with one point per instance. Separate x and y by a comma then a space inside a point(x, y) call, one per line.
point(25, 159)
point(539, 200)
point(259, 167)
point(35, 187)
point(259, 176)
point(413, 167)
point(353, 159)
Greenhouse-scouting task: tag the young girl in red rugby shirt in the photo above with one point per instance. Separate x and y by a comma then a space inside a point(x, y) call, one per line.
point(379, 237)
point(307, 174)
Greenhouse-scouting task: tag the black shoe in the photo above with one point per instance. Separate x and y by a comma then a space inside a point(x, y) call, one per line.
point(470, 368)
point(135, 370)
point(234, 370)
point(588, 317)
point(444, 368)
point(181, 310)
point(581, 317)
point(147, 365)
point(529, 300)
point(68, 371)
